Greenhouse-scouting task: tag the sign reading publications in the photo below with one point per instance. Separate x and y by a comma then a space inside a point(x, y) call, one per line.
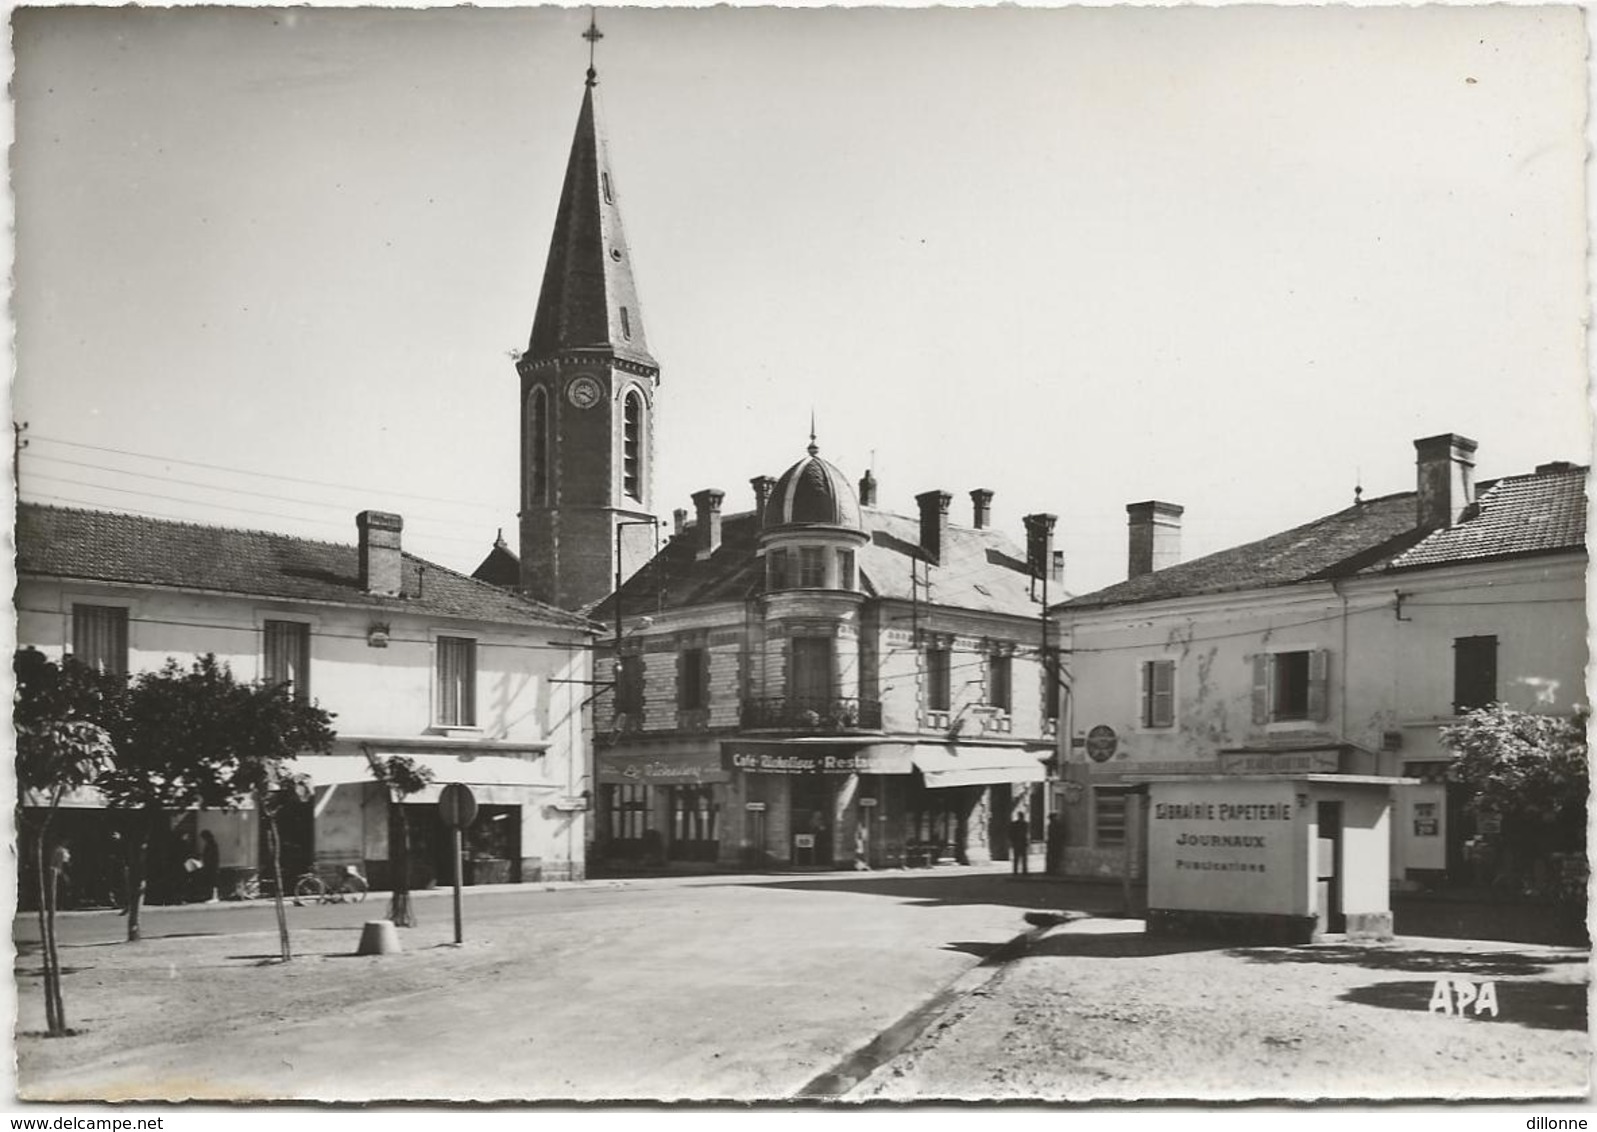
point(1221, 846)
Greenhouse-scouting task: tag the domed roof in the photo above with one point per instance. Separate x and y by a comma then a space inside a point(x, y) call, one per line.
point(813, 493)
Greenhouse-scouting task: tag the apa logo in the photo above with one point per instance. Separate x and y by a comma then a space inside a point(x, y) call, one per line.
point(1456, 996)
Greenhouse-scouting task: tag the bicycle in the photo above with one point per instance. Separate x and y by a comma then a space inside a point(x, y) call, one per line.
point(348, 885)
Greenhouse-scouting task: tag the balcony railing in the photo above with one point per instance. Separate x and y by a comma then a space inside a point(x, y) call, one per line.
point(812, 713)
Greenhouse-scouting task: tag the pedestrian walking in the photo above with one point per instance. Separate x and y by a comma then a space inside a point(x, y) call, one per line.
point(210, 866)
point(1056, 844)
point(1020, 845)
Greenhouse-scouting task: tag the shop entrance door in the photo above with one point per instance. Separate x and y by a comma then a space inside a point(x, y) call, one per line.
point(809, 818)
point(1328, 869)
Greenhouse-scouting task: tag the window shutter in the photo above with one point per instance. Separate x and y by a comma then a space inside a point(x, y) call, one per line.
point(1261, 688)
point(682, 679)
point(1319, 679)
point(704, 678)
point(1163, 700)
point(1142, 694)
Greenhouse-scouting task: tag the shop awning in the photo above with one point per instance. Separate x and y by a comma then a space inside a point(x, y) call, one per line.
point(955, 765)
point(494, 779)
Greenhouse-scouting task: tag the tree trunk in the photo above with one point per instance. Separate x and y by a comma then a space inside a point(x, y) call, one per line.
point(51, 1018)
point(274, 848)
point(138, 862)
point(52, 985)
point(400, 908)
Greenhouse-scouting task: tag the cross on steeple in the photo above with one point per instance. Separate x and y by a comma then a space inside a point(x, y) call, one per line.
point(593, 35)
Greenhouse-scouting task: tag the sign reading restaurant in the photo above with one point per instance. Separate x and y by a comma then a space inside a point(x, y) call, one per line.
point(796, 758)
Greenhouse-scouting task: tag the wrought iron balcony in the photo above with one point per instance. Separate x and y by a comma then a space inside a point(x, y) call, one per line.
point(812, 713)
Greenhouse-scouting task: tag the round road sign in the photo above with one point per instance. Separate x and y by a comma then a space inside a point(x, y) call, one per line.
point(457, 806)
point(1101, 743)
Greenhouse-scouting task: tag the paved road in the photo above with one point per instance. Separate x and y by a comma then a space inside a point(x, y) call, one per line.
point(724, 988)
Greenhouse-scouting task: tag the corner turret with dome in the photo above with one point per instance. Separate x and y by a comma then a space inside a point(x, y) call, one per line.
point(811, 528)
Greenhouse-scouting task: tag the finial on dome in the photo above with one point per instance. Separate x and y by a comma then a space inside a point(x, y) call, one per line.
point(593, 35)
point(813, 448)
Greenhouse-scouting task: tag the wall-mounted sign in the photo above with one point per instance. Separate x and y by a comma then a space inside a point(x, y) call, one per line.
point(867, 802)
point(1102, 743)
point(1280, 762)
point(797, 758)
point(1426, 823)
point(754, 807)
point(803, 841)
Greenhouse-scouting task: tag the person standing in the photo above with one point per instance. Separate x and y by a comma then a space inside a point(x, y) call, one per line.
point(1020, 845)
point(1056, 844)
point(210, 866)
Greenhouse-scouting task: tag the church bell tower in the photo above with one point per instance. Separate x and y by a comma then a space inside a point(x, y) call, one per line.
point(588, 385)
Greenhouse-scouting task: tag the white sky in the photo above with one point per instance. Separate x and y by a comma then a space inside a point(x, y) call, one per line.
point(1231, 258)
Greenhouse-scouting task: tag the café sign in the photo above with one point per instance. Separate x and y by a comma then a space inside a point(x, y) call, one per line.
point(779, 758)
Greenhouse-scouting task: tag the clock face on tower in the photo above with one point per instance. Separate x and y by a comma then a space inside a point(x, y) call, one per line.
point(584, 392)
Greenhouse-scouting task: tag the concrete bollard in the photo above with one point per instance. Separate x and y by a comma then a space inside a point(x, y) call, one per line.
point(378, 937)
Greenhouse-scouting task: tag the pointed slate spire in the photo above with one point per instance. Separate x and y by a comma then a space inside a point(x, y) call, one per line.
point(589, 300)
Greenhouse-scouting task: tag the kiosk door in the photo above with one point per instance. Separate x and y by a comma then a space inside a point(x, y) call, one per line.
point(1328, 869)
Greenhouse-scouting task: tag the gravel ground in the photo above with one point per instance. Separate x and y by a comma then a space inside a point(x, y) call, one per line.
point(1097, 1011)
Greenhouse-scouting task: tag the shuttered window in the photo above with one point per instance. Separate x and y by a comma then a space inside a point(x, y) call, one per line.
point(937, 679)
point(632, 441)
point(1159, 693)
point(693, 679)
point(100, 637)
point(1474, 673)
point(1108, 817)
point(1291, 686)
point(998, 682)
point(457, 682)
point(288, 655)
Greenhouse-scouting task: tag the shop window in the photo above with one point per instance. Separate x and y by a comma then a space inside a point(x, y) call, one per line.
point(288, 655)
point(100, 637)
point(845, 569)
point(938, 673)
point(1290, 686)
point(628, 808)
point(776, 570)
point(457, 682)
point(1109, 817)
point(695, 823)
point(998, 682)
point(1474, 673)
point(693, 679)
point(1158, 694)
point(812, 567)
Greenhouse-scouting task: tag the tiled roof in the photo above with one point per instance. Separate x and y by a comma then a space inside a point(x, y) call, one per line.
point(979, 570)
point(103, 546)
point(1356, 536)
point(501, 568)
point(1529, 514)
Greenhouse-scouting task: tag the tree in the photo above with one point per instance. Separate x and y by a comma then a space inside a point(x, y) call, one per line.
point(400, 777)
point(62, 745)
point(271, 727)
point(178, 745)
point(1531, 771)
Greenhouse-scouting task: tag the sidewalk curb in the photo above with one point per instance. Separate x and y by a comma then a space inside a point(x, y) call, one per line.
point(865, 1062)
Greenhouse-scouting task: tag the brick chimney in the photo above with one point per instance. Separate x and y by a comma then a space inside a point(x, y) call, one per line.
point(1446, 479)
point(708, 505)
point(763, 486)
point(1155, 536)
point(981, 508)
point(867, 489)
point(1039, 542)
point(381, 570)
point(933, 522)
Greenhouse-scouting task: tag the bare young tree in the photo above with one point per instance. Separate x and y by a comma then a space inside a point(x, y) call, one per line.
point(400, 777)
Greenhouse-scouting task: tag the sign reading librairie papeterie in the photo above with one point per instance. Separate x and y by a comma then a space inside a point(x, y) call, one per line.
point(1221, 846)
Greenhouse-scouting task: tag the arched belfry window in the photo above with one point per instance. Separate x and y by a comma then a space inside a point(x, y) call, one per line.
point(632, 446)
point(538, 446)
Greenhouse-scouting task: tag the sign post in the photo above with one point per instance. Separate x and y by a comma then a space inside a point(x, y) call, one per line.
point(457, 806)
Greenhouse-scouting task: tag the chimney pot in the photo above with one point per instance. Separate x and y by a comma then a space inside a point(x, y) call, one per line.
point(381, 559)
point(867, 489)
point(1445, 467)
point(1154, 528)
point(933, 522)
point(1039, 542)
point(981, 505)
point(679, 520)
point(763, 486)
point(708, 505)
